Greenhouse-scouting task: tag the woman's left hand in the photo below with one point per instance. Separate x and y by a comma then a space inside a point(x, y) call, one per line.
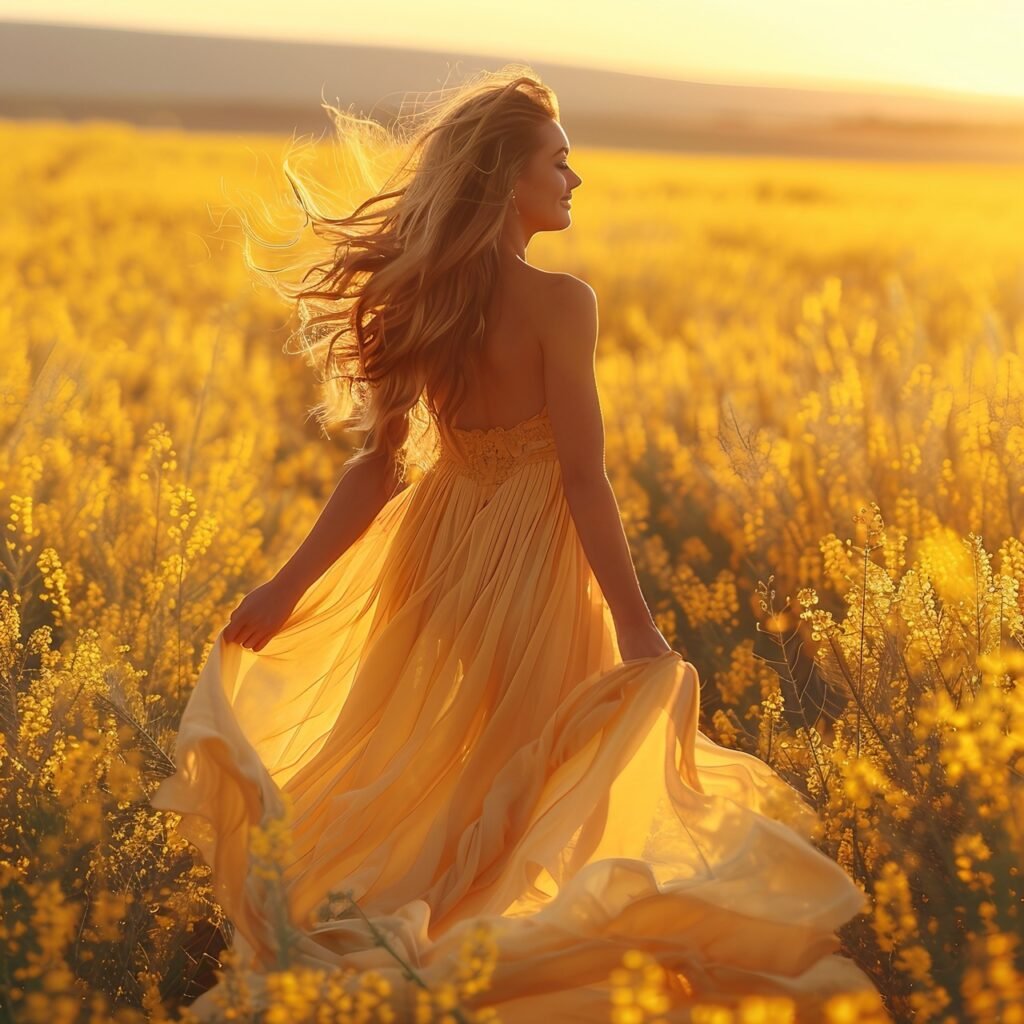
point(261, 614)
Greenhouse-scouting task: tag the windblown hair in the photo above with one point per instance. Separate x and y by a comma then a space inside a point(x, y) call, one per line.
point(394, 314)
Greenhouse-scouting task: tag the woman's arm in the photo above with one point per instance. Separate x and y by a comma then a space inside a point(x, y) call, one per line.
point(361, 493)
point(575, 411)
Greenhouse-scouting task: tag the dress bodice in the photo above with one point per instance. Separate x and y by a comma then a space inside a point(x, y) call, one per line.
point(490, 455)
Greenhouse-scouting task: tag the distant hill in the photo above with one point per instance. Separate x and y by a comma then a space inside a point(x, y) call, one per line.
point(216, 83)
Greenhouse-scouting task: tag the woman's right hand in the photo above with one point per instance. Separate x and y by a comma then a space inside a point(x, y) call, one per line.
point(641, 641)
point(261, 614)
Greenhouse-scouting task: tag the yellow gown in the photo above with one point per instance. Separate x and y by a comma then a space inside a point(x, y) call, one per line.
point(460, 743)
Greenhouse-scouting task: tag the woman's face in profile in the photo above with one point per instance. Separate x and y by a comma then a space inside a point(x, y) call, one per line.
point(543, 192)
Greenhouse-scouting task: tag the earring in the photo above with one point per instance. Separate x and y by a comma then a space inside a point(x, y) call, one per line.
point(514, 202)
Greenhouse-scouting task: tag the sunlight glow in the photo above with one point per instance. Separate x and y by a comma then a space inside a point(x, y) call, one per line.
point(875, 44)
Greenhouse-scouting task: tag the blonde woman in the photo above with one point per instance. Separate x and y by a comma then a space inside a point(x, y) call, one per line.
point(454, 688)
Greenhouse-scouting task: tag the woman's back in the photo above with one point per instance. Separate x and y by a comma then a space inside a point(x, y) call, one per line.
point(507, 380)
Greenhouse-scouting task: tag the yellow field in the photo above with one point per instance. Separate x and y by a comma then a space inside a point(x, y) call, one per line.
point(812, 381)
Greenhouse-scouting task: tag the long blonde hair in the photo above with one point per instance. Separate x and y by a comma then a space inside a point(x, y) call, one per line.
point(395, 312)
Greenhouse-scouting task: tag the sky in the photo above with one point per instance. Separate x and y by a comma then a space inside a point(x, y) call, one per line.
point(892, 45)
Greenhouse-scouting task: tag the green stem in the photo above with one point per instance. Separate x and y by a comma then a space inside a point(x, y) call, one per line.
point(381, 940)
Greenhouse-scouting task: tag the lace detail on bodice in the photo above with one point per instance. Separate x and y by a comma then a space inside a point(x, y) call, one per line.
point(491, 455)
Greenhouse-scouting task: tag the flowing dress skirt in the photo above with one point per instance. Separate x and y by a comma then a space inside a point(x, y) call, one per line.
point(458, 742)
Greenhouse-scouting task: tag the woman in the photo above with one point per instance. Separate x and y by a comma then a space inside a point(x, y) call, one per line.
point(455, 685)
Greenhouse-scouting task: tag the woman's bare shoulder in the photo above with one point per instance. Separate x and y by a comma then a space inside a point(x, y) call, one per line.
point(556, 280)
point(568, 308)
point(576, 287)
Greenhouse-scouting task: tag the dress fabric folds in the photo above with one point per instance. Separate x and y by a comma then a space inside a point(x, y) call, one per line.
point(459, 742)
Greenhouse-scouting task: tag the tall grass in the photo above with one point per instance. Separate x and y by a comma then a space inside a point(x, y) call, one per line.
point(811, 375)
